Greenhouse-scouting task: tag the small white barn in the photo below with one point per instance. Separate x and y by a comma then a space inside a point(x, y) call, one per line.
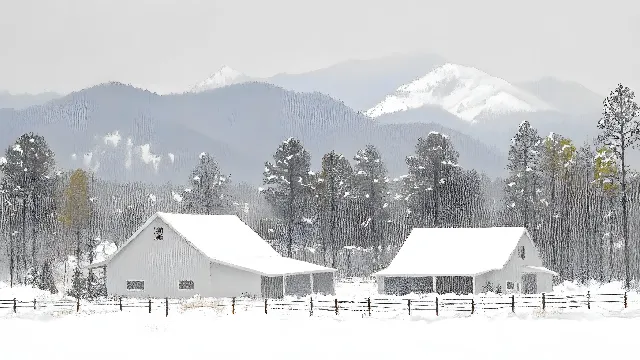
point(466, 261)
point(181, 255)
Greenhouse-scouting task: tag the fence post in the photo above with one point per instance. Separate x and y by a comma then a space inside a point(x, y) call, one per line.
point(310, 306)
point(166, 309)
point(589, 300)
point(436, 306)
point(473, 306)
point(409, 306)
point(77, 304)
point(369, 306)
point(15, 305)
point(233, 305)
point(544, 302)
point(149, 306)
point(625, 299)
point(513, 303)
point(336, 305)
point(120, 303)
point(34, 304)
point(265, 305)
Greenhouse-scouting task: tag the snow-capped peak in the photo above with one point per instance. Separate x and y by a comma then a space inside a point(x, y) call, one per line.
point(223, 77)
point(461, 90)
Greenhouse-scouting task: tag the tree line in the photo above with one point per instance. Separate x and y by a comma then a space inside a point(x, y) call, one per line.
point(580, 203)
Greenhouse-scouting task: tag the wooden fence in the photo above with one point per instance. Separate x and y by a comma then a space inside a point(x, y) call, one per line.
point(368, 306)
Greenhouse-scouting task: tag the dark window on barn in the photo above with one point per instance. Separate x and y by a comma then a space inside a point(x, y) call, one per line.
point(135, 285)
point(186, 285)
point(509, 285)
point(521, 252)
point(158, 232)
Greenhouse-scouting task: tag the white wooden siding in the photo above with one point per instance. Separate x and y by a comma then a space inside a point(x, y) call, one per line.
point(512, 271)
point(161, 264)
point(229, 282)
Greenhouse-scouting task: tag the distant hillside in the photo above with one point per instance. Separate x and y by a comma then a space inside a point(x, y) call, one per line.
point(130, 134)
point(21, 101)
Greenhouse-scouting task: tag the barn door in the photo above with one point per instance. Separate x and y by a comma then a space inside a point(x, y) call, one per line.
point(529, 283)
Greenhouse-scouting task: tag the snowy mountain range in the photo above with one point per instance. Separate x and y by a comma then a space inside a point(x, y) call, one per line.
point(465, 92)
point(133, 134)
point(129, 134)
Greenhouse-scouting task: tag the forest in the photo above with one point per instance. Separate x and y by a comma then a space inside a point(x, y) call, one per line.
point(580, 203)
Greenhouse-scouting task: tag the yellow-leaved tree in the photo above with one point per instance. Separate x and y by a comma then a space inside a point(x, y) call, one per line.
point(75, 217)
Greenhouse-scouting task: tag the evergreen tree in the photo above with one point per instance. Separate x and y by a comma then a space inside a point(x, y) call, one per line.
point(333, 188)
point(78, 285)
point(522, 190)
point(47, 281)
point(289, 192)
point(430, 169)
point(371, 188)
point(27, 168)
point(209, 193)
point(620, 131)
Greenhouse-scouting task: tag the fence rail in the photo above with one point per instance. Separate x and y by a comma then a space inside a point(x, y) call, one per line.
point(435, 305)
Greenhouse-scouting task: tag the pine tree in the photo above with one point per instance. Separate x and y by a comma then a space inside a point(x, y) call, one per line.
point(27, 170)
point(371, 188)
point(209, 192)
point(78, 285)
point(620, 131)
point(523, 184)
point(334, 186)
point(430, 169)
point(289, 192)
point(47, 281)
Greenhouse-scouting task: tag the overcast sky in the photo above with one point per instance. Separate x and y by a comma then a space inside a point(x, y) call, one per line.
point(64, 45)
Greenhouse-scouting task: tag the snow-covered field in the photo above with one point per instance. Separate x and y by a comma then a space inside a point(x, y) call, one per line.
point(209, 332)
point(201, 334)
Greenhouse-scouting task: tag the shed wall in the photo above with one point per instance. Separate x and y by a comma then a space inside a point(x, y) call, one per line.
point(512, 271)
point(227, 281)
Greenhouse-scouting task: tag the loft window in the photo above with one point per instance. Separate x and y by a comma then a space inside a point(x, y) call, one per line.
point(521, 253)
point(509, 285)
point(135, 285)
point(186, 285)
point(158, 233)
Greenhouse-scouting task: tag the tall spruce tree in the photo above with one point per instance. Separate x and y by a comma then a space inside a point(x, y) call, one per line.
point(334, 187)
point(620, 131)
point(371, 187)
point(522, 185)
point(27, 168)
point(430, 169)
point(289, 190)
point(209, 192)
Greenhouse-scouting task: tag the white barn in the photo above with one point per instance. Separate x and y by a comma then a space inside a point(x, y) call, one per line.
point(181, 255)
point(464, 261)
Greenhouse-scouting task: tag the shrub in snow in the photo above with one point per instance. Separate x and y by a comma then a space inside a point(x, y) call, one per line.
point(78, 285)
point(47, 281)
point(487, 288)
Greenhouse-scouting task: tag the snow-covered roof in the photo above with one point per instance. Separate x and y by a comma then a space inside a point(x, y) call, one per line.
point(227, 240)
point(454, 251)
point(538, 269)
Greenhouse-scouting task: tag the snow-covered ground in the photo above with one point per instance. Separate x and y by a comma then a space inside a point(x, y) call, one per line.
point(203, 328)
point(203, 334)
